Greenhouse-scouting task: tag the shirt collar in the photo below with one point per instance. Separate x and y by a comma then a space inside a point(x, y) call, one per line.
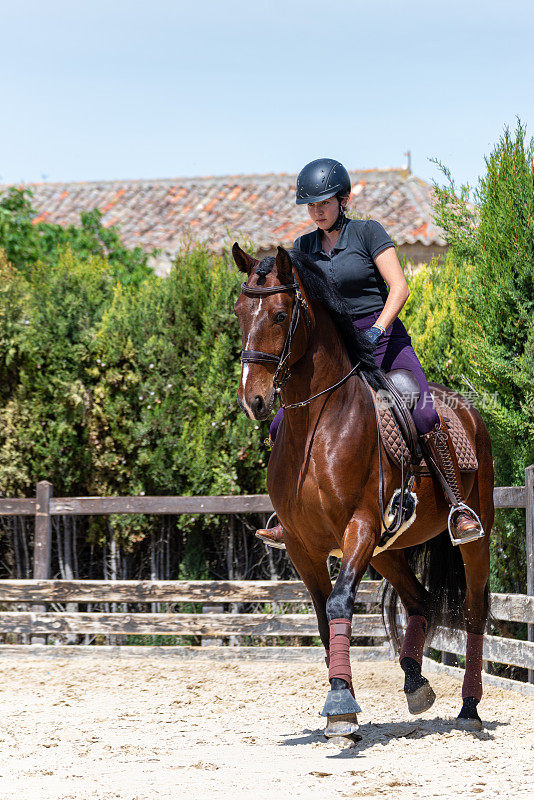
point(341, 244)
point(343, 241)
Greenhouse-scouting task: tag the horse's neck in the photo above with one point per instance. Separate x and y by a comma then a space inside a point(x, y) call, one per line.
point(324, 363)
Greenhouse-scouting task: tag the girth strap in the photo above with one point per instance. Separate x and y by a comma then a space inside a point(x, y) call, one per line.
point(404, 418)
point(406, 477)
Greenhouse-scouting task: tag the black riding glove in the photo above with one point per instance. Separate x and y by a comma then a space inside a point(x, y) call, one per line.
point(374, 335)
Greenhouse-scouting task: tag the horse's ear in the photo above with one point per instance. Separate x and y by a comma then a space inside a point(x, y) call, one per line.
point(244, 262)
point(284, 267)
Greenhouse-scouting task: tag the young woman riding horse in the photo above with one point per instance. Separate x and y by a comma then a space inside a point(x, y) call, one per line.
point(359, 258)
point(301, 316)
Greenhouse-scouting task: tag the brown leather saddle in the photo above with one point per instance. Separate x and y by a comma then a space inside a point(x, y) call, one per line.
point(395, 420)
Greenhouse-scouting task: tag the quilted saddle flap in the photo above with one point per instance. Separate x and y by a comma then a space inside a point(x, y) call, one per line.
point(467, 460)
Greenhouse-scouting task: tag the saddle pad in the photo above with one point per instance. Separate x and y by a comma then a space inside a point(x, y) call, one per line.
point(467, 460)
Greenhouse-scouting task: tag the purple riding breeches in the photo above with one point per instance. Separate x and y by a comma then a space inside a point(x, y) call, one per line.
point(393, 351)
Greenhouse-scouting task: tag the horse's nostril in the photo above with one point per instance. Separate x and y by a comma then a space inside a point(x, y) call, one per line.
point(258, 404)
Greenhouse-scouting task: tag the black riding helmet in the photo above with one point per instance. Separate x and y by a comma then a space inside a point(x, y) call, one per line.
point(321, 179)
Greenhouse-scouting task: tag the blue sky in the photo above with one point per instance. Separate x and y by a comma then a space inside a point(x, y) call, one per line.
point(154, 89)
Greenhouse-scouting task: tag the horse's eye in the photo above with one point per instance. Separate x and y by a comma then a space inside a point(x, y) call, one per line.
point(280, 316)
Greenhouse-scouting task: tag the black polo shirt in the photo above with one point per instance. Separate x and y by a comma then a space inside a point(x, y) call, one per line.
point(350, 266)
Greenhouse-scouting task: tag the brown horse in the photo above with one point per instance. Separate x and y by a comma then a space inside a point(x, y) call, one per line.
point(323, 480)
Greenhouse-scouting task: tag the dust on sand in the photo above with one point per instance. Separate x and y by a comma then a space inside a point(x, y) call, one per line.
point(142, 730)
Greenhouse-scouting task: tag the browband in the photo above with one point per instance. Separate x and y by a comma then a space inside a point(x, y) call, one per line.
point(259, 290)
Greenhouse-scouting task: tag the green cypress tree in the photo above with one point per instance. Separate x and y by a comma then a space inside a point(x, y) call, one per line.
point(472, 321)
point(492, 245)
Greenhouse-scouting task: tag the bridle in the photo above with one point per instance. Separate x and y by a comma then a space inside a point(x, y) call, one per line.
point(282, 372)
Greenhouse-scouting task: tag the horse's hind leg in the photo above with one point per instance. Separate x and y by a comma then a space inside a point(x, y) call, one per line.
point(476, 558)
point(392, 565)
point(476, 562)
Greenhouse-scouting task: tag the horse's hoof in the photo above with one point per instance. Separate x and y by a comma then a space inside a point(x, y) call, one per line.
point(342, 726)
point(468, 719)
point(421, 699)
point(340, 702)
point(345, 742)
point(463, 724)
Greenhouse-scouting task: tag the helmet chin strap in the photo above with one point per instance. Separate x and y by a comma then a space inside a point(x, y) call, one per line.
point(338, 224)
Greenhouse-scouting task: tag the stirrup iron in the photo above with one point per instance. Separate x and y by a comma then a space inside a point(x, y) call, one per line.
point(464, 539)
point(274, 514)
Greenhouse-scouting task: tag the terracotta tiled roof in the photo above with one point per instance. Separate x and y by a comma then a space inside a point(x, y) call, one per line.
point(259, 208)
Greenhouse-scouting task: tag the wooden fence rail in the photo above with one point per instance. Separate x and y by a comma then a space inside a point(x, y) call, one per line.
point(504, 497)
point(211, 625)
point(515, 652)
point(511, 608)
point(85, 591)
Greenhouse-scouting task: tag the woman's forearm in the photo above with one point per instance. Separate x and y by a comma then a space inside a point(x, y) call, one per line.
point(395, 300)
point(388, 265)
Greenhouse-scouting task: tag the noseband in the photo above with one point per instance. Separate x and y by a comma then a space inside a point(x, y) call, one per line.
point(282, 373)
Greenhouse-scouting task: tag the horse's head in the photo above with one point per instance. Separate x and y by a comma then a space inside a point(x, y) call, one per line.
point(272, 326)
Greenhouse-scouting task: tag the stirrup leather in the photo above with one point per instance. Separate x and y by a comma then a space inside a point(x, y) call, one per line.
point(445, 462)
point(273, 515)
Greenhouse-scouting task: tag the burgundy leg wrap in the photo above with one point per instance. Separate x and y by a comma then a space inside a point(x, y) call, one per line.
point(414, 639)
point(472, 685)
point(339, 666)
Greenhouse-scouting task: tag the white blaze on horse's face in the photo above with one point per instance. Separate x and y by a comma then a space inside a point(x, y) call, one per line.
point(246, 367)
point(256, 392)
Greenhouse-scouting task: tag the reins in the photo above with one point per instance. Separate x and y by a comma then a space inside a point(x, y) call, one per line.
point(330, 389)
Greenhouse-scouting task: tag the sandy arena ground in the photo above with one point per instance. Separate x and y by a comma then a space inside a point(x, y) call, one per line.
point(136, 730)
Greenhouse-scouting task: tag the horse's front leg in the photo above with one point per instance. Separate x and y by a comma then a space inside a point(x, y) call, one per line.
point(358, 544)
point(313, 570)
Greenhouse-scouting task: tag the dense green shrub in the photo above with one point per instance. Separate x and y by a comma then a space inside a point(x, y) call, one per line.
point(48, 320)
point(112, 386)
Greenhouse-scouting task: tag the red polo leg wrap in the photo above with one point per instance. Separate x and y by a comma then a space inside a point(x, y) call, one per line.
point(472, 685)
point(414, 639)
point(339, 666)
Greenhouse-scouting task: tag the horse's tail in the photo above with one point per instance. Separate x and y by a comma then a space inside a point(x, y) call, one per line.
point(439, 567)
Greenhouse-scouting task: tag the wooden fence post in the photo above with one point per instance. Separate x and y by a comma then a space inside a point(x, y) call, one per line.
point(211, 641)
point(42, 546)
point(529, 543)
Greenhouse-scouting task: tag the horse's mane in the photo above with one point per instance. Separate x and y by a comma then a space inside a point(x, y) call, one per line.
point(318, 288)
